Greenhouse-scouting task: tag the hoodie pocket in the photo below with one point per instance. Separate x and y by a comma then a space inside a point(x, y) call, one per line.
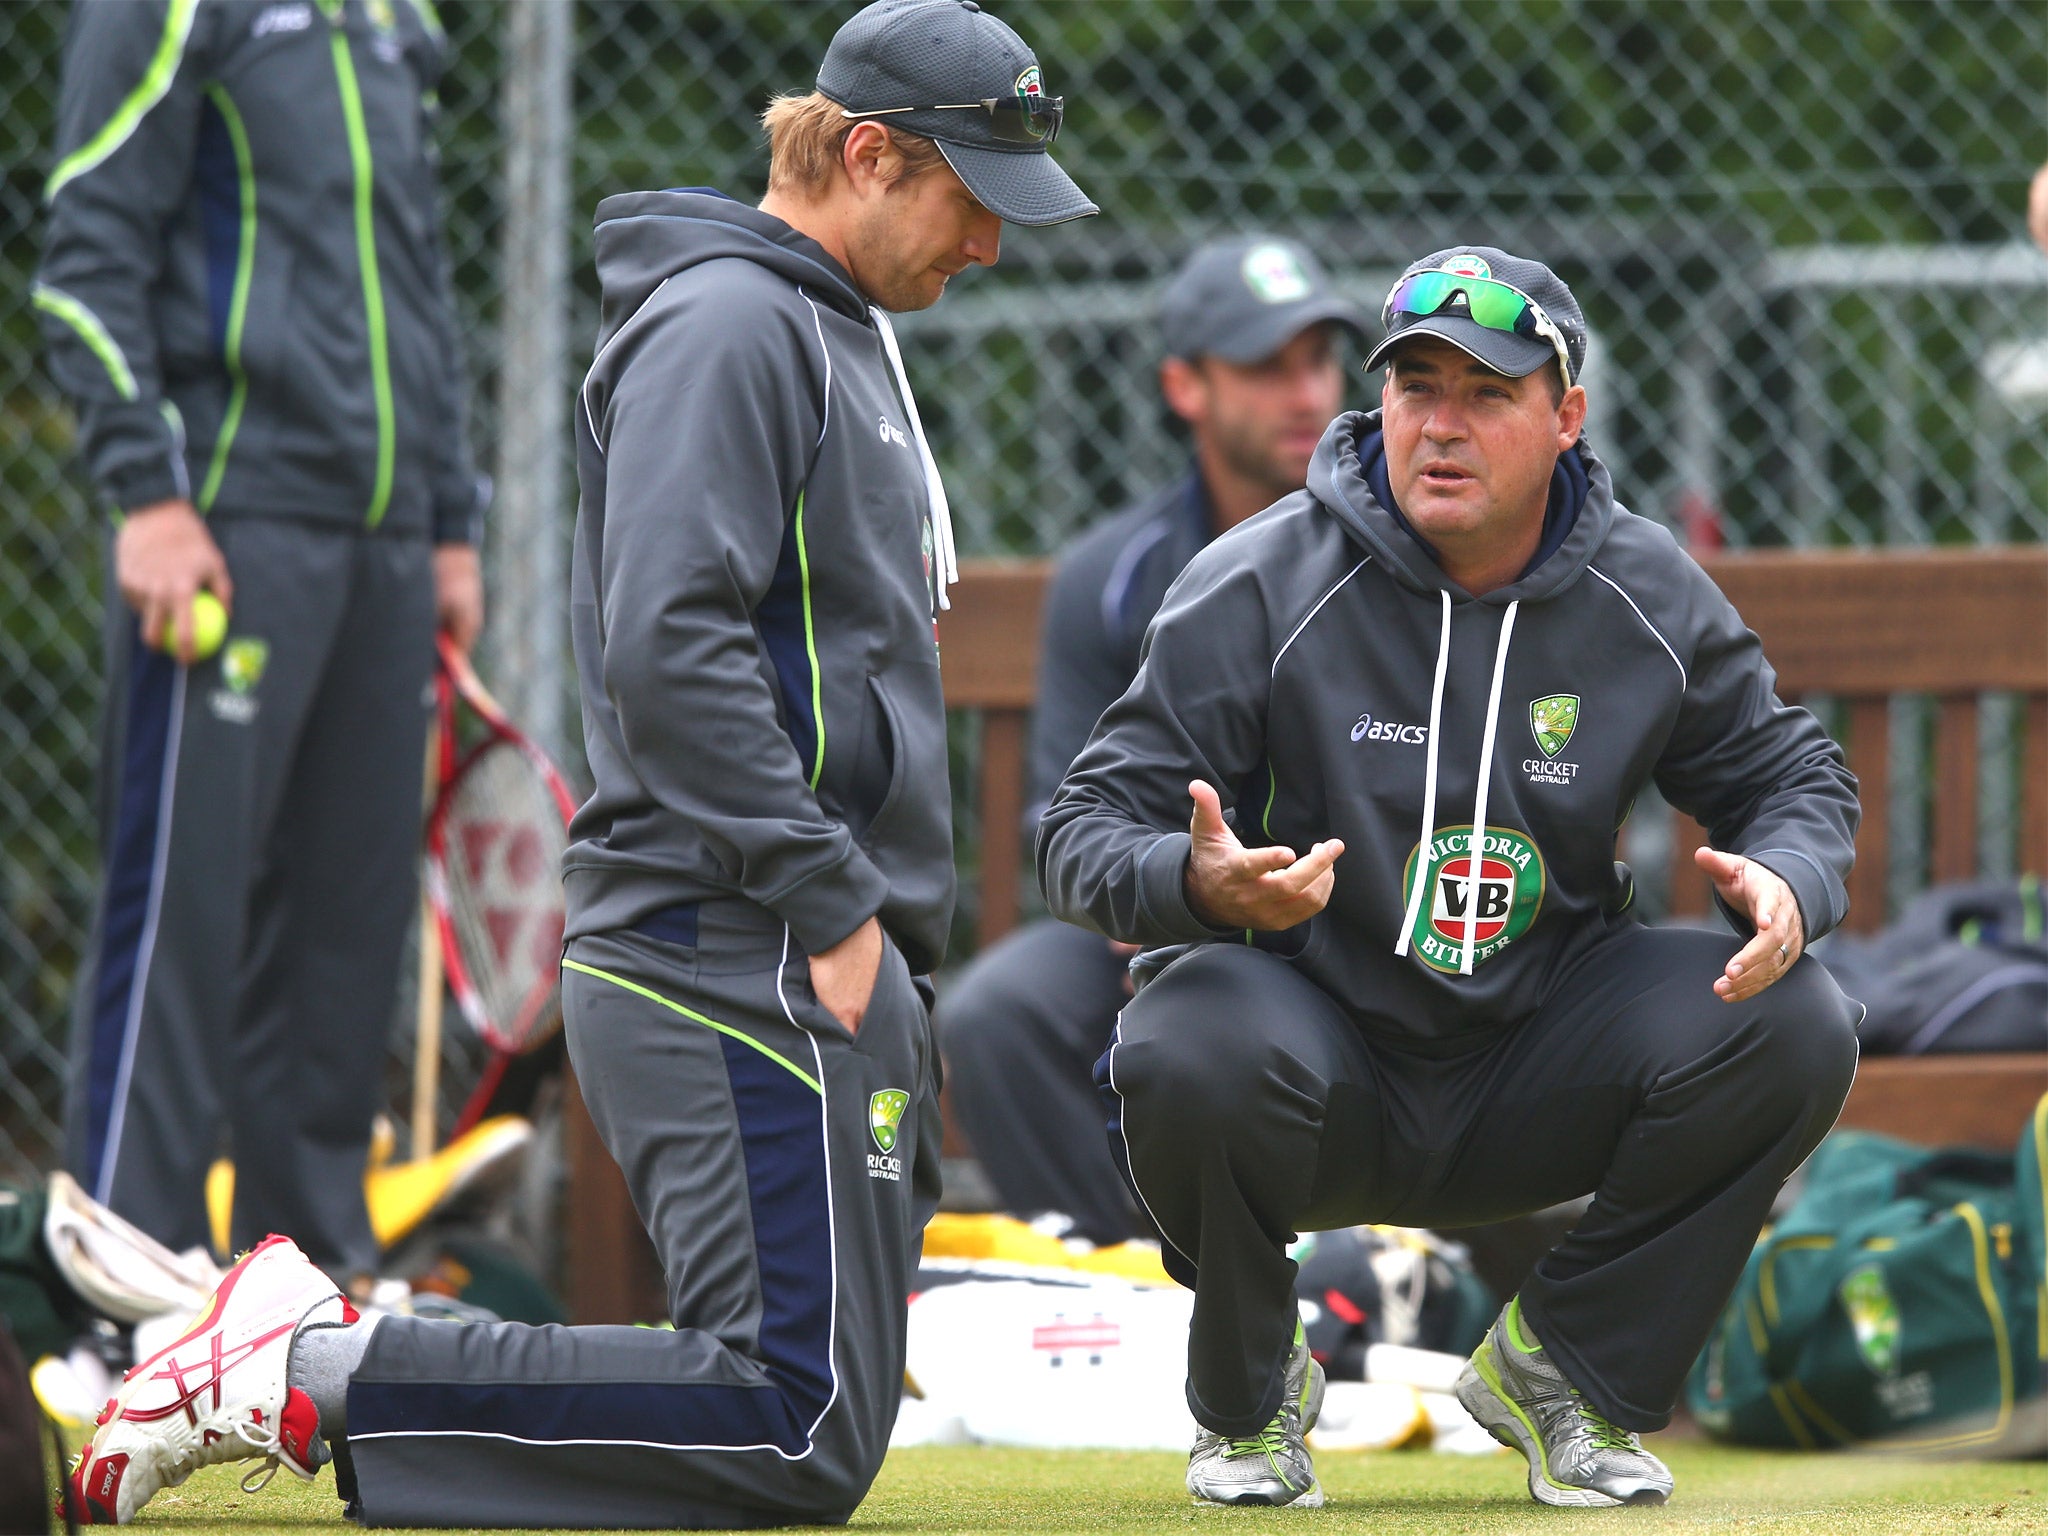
point(881, 746)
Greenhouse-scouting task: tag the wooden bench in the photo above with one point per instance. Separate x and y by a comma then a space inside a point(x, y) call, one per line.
point(1862, 629)
point(1858, 632)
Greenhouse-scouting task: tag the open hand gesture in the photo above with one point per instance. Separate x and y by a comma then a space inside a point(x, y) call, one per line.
point(1268, 889)
point(1767, 902)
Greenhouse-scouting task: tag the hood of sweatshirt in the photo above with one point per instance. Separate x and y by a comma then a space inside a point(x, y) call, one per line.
point(642, 239)
point(1350, 462)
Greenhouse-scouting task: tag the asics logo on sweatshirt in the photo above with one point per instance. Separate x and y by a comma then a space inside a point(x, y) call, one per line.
point(282, 18)
point(1368, 729)
point(891, 433)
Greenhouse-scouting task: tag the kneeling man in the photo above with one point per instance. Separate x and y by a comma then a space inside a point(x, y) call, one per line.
point(1397, 976)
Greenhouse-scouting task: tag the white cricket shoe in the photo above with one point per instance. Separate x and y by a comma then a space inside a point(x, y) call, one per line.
point(217, 1393)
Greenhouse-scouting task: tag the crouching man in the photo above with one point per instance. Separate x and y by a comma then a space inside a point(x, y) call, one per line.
point(1412, 706)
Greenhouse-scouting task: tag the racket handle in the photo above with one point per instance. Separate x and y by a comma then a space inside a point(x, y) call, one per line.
point(426, 1061)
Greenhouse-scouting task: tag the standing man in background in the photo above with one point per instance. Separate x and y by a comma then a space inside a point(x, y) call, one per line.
point(759, 882)
point(245, 294)
point(1253, 365)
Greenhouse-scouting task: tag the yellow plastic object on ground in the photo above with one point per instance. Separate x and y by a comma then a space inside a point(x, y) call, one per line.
point(402, 1195)
point(1006, 1240)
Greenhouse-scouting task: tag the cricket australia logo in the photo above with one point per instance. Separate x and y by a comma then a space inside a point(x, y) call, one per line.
point(1498, 901)
point(1552, 721)
point(1874, 1317)
point(885, 1124)
point(242, 665)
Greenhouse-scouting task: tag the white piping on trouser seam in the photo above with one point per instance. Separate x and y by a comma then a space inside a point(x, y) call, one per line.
point(1123, 1121)
point(1420, 883)
point(1478, 844)
point(935, 491)
point(110, 1146)
point(831, 1216)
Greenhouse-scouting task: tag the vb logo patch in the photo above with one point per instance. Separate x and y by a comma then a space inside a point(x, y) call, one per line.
point(1552, 721)
point(1499, 900)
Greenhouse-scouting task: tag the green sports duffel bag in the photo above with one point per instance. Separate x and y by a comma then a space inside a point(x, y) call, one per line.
point(1903, 1300)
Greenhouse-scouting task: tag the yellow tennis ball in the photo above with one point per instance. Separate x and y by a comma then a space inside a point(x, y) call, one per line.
point(209, 627)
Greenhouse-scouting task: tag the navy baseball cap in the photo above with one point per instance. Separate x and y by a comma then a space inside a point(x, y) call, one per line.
point(948, 70)
point(1467, 295)
point(1244, 298)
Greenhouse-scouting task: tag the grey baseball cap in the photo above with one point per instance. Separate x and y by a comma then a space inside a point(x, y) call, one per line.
point(1512, 353)
point(1244, 298)
point(948, 70)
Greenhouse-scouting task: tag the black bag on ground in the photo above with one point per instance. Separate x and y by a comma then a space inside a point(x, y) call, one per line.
point(1964, 968)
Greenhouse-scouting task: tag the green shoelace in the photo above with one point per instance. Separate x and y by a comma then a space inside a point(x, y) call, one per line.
point(1606, 1434)
point(1268, 1442)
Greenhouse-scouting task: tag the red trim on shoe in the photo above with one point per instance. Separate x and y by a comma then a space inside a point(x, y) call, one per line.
point(297, 1427)
point(99, 1502)
point(222, 1361)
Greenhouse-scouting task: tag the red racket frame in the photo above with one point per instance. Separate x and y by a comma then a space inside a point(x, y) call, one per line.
point(453, 679)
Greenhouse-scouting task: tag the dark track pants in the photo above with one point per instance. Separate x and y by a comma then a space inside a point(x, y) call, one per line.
point(1022, 1028)
point(260, 829)
point(1250, 1108)
point(785, 1171)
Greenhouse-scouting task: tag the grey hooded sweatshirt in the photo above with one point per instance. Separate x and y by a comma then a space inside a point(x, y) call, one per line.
point(753, 591)
point(244, 288)
point(1319, 668)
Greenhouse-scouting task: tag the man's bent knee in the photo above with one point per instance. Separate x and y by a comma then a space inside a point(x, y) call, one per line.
point(1811, 1030)
point(1192, 1041)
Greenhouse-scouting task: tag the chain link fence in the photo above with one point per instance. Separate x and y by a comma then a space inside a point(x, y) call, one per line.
point(1796, 229)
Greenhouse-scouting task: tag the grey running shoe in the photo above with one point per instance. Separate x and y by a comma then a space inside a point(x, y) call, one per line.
point(1273, 1466)
point(1575, 1456)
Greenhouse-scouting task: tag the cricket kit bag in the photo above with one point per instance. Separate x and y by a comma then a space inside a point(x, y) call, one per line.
point(1902, 1300)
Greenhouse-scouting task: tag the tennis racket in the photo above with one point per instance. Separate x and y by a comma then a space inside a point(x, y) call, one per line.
point(494, 844)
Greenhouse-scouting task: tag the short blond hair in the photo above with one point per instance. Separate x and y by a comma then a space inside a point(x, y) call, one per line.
point(807, 136)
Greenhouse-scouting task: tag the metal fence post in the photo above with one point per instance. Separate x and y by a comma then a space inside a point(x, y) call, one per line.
point(528, 592)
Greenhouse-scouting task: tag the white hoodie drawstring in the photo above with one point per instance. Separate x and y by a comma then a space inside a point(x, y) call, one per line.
point(1478, 844)
point(935, 491)
point(1418, 887)
point(1420, 883)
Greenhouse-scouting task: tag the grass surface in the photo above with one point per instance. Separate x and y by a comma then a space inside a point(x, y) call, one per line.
point(985, 1489)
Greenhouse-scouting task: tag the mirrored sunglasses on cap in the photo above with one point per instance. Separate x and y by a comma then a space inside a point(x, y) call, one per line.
point(1489, 302)
point(1023, 119)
